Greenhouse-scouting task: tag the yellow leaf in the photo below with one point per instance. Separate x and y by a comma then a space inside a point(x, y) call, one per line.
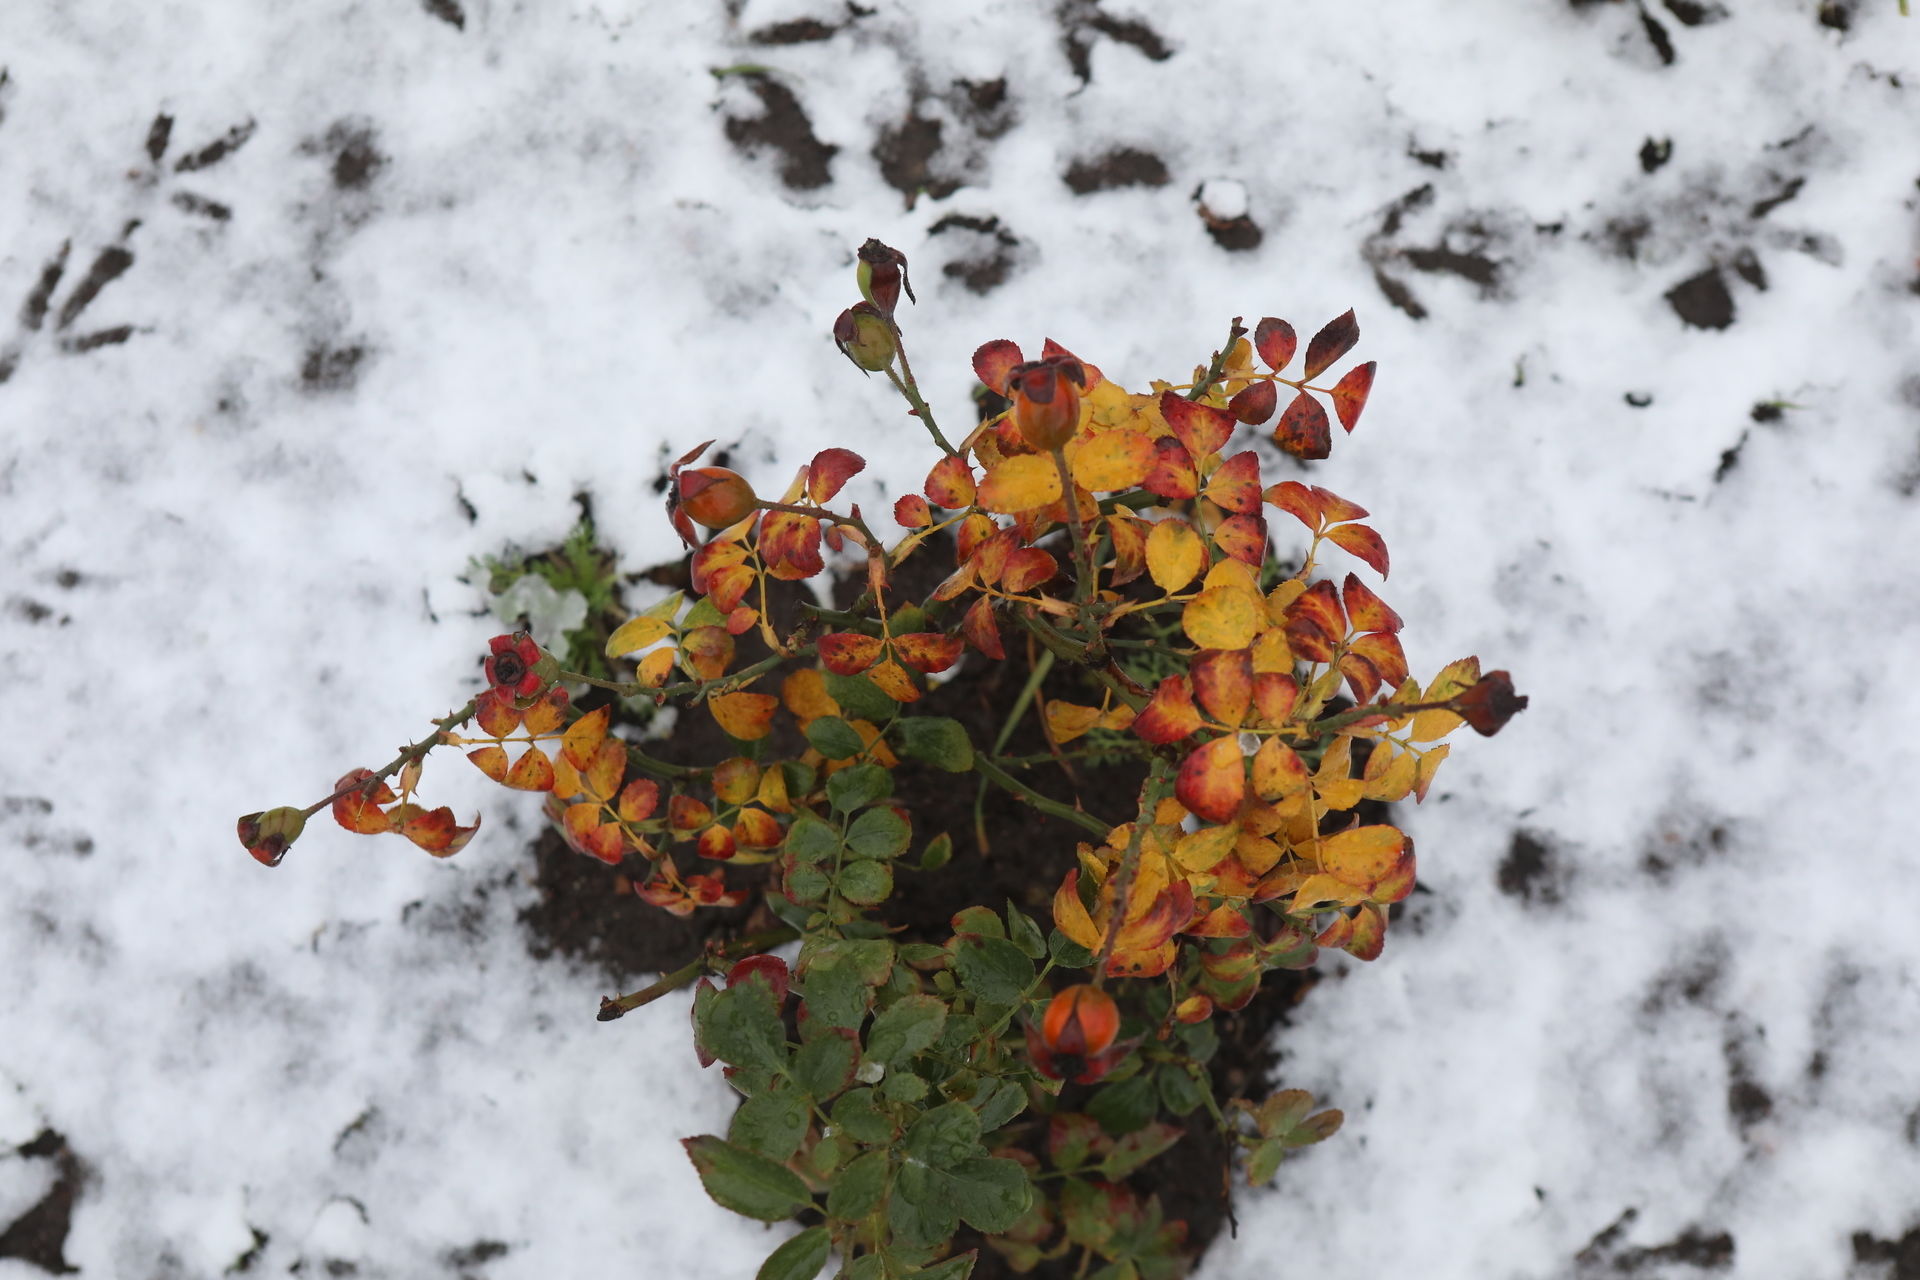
point(1203, 849)
point(1394, 780)
point(1175, 555)
point(1428, 766)
point(1233, 573)
point(1257, 854)
point(1020, 483)
point(1067, 721)
point(1428, 726)
point(746, 716)
point(1361, 856)
point(1222, 617)
point(655, 668)
point(1112, 460)
point(1281, 596)
point(1455, 677)
point(805, 692)
point(636, 633)
point(1318, 893)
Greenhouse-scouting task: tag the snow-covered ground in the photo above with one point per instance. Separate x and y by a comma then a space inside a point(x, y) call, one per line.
point(397, 281)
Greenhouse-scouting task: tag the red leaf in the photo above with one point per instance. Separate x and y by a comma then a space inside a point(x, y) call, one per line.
point(728, 586)
point(830, 470)
point(1172, 476)
point(1350, 393)
point(1337, 508)
point(910, 512)
point(1254, 403)
point(928, 651)
point(1362, 541)
point(981, 629)
point(1314, 622)
point(1274, 694)
point(1090, 377)
point(950, 483)
point(1362, 676)
point(1331, 343)
point(685, 813)
point(1223, 682)
point(1235, 484)
point(993, 361)
point(1201, 427)
point(1304, 430)
point(1244, 538)
point(1027, 568)
point(1275, 341)
point(1170, 715)
point(359, 811)
point(638, 800)
point(1129, 537)
point(1212, 781)
point(716, 842)
point(790, 545)
point(437, 832)
point(1297, 500)
point(847, 653)
point(1368, 611)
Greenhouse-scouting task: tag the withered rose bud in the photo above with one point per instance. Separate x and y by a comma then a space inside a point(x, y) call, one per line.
point(1490, 703)
point(882, 274)
point(864, 337)
point(515, 666)
point(1076, 1036)
point(1046, 400)
point(267, 835)
point(715, 497)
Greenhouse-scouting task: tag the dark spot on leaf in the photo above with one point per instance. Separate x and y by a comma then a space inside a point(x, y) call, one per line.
point(106, 268)
point(1124, 167)
point(783, 126)
point(327, 368)
point(1702, 301)
point(159, 133)
point(448, 11)
point(217, 150)
point(1654, 154)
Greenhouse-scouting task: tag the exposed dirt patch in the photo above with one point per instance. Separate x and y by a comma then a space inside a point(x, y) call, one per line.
point(986, 252)
point(38, 1237)
point(782, 126)
point(1125, 167)
point(1702, 301)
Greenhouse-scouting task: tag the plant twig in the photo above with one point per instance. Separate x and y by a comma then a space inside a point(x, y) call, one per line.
point(1151, 793)
point(1215, 370)
point(408, 755)
point(612, 1007)
point(1045, 804)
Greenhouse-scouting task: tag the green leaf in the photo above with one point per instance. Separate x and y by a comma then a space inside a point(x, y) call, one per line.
point(703, 614)
point(937, 741)
point(938, 853)
point(866, 882)
point(742, 1027)
point(1179, 1092)
point(978, 922)
point(746, 1182)
point(835, 997)
point(1025, 933)
point(1134, 1150)
point(958, 1267)
point(858, 1188)
point(824, 1065)
point(858, 786)
point(807, 885)
point(992, 969)
point(918, 953)
point(1001, 1105)
point(811, 840)
point(1281, 1111)
point(1067, 953)
point(861, 698)
point(1125, 1107)
point(920, 1212)
point(904, 1029)
point(800, 777)
point(868, 1266)
point(772, 1123)
point(990, 1192)
point(799, 1258)
point(856, 1115)
point(834, 738)
point(1317, 1128)
point(944, 1136)
point(827, 1154)
point(878, 833)
point(1265, 1161)
point(903, 1086)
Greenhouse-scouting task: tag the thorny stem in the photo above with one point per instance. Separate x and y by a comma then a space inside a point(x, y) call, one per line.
point(1045, 804)
point(1082, 553)
point(821, 513)
point(1075, 651)
point(611, 1008)
point(1151, 793)
point(1235, 332)
point(911, 390)
point(408, 755)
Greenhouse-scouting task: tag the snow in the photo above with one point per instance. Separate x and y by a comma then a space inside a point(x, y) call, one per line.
point(509, 260)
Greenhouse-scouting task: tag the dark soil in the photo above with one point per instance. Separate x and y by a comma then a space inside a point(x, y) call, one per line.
point(38, 1237)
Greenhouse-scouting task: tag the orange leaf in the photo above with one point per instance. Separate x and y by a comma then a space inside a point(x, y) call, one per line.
point(930, 651)
point(993, 361)
point(735, 780)
point(790, 545)
point(1175, 554)
point(1362, 541)
point(1222, 618)
point(1350, 393)
point(1369, 936)
point(1201, 851)
point(567, 782)
point(1235, 486)
point(1244, 538)
point(805, 693)
point(974, 530)
point(708, 650)
point(531, 772)
point(716, 842)
point(496, 713)
point(584, 737)
point(757, 829)
point(1271, 653)
point(1129, 537)
point(546, 715)
point(1338, 510)
point(1384, 652)
point(1275, 694)
point(607, 770)
point(655, 668)
point(685, 813)
point(1314, 622)
point(1332, 342)
point(893, 680)
point(1020, 484)
point(1170, 714)
point(1428, 766)
point(746, 716)
point(1303, 430)
point(1254, 403)
point(950, 483)
point(1213, 780)
point(981, 630)
point(830, 470)
point(492, 761)
point(1113, 460)
point(741, 620)
point(1027, 568)
point(1200, 427)
point(1223, 682)
point(1368, 611)
point(639, 799)
point(1398, 882)
point(1276, 342)
point(436, 832)
point(1278, 770)
point(1297, 500)
point(1361, 856)
point(910, 512)
point(847, 653)
point(1323, 892)
point(1067, 721)
point(1172, 476)
point(728, 586)
point(1362, 676)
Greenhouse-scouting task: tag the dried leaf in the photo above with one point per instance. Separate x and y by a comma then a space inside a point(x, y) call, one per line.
point(584, 736)
point(1172, 476)
point(491, 761)
point(1278, 771)
point(992, 362)
point(1223, 683)
point(1254, 403)
point(1129, 538)
point(1027, 568)
point(790, 545)
point(981, 630)
point(1332, 342)
point(830, 470)
point(911, 512)
point(708, 651)
point(533, 771)
point(929, 651)
point(1244, 538)
point(848, 653)
point(1170, 714)
point(746, 716)
point(546, 715)
point(1235, 485)
point(1067, 721)
point(950, 483)
point(1303, 430)
point(1368, 611)
point(639, 799)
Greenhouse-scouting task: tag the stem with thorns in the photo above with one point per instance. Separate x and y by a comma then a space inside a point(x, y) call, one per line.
point(1151, 793)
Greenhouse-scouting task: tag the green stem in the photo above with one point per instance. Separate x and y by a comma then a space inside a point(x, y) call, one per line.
point(611, 1008)
point(1219, 366)
point(1045, 804)
point(911, 390)
point(408, 755)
